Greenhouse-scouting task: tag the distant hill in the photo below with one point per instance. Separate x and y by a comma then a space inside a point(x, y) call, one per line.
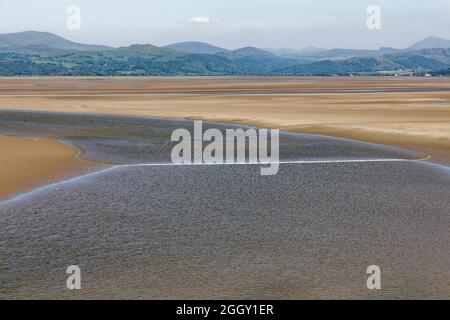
point(196, 47)
point(430, 43)
point(282, 51)
point(410, 61)
point(439, 56)
point(336, 54)
point(253, 53)
point(146, 49)
point(260, 62)
point(293, 52)
point(33, 39)
point(311, 50)
point(337, 67)
point(44, 54)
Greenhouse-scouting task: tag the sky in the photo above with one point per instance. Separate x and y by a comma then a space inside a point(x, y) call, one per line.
point(234, 23)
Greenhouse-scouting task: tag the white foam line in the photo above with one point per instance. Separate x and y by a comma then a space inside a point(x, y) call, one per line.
point(63, 182)
point(267, 163)
point(54, 185)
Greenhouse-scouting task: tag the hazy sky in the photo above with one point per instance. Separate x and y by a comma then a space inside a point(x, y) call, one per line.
point(234, 23)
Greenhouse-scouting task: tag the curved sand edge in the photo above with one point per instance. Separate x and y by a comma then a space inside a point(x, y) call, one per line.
point(27, 163)
point(419, 120)
point(433, 148)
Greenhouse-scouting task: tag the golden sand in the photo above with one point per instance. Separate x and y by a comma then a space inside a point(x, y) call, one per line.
point(26, 163)
point(415, 120)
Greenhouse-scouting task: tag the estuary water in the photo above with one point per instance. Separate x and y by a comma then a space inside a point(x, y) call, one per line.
point(224, 232)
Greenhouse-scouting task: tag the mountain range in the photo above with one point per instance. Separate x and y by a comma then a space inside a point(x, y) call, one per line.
point(28, 39)
point(32, 53)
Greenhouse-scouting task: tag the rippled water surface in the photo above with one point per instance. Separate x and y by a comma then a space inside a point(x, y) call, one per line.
point(225, 231)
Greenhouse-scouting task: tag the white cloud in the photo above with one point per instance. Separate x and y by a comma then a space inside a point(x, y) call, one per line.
point(203, 20)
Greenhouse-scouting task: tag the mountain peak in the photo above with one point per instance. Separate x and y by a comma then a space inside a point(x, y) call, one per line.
point(196, 47)
point(253, 52)
point(431, 43)
point(46, 39)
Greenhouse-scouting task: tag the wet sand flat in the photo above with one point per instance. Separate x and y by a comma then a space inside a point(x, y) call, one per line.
point(180, 85)
point(26, 163)
point(406, 112)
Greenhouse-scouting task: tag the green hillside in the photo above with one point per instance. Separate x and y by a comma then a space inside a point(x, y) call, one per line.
point(45, 54)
